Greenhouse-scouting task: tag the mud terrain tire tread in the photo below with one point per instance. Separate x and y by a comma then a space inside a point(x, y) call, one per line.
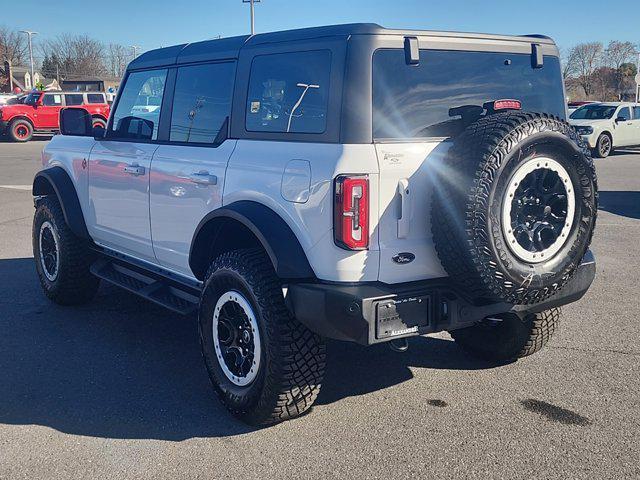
point(459, 222)
point(75, 284)
point(294, 363)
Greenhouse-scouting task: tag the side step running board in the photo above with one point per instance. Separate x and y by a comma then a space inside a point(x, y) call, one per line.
point(152, 288)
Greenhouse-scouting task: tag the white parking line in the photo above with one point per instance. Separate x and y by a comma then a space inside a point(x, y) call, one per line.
point(17, 187)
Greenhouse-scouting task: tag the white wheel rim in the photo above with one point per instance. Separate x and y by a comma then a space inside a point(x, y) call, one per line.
point(44, 252)
point(509, 203)
point(248, 331)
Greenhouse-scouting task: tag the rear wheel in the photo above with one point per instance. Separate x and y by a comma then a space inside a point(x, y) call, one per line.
point(98, 122)
point(20, 131)
point(264, 365)
point(508, 337)
point(604, 146)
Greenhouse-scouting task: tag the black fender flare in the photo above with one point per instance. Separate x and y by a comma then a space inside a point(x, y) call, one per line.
point(55, 180)
point(273, 233)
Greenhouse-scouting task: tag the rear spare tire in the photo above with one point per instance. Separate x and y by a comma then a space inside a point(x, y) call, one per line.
point(514, 207)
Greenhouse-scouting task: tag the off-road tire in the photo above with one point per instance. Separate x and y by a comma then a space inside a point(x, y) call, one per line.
point(74, 283)
point(292, 359)
point(468, 195)
point(510, 339)
point(598, 151)
point(17, 126)
point(98, 122)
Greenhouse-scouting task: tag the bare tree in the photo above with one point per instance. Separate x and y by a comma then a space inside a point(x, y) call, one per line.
point(118, 58)
point(582, 62)
point(617, 55)
point(13, 46)
point(77, 55)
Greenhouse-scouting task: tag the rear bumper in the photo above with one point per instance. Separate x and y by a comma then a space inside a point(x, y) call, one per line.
point(377, 313)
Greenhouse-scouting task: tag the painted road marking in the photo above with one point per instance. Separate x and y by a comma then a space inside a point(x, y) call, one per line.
point(17, 187)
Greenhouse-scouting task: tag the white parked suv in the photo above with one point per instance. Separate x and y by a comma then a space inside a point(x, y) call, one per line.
point(346, 182)
point(607, 126)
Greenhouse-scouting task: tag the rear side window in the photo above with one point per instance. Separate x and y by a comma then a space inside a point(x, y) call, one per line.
point(413, 101)
point(636, 113)
point(95, 98)
point(289, 92)
point(73, 99)
point(135, 117)
point(201, 102)
point(52, 100)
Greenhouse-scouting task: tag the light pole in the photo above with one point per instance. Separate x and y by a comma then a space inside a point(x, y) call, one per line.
point(253, 23)
point(638, 79)
point(135, 50)
point(30, 34)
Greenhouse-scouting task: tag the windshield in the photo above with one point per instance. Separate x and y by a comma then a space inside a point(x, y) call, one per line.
point(447, 90)
point(594, 112)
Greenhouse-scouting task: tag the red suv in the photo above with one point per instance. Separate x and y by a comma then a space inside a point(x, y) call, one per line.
point(40, 112)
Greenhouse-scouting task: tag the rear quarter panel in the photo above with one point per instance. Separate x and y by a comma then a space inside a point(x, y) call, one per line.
point(261, 171)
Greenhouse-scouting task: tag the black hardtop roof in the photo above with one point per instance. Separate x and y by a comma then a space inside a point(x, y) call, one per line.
point(226, 48)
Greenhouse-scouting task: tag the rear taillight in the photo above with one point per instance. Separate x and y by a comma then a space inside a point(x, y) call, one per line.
point(351, 212)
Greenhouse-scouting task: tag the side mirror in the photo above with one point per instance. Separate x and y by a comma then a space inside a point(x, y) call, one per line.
point(76, 122)
point(620, 119)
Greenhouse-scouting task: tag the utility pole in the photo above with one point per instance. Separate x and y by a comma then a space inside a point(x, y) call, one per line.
point(135, 51)
point(30, 34)
point(638, 79)
point(253, 23)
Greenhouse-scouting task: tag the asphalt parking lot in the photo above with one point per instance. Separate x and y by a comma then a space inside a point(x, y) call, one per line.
point(117, 389)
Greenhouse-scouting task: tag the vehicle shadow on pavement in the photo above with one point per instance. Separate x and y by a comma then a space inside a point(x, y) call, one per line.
point(354, 370)
point(623, 203)
point(121, 367)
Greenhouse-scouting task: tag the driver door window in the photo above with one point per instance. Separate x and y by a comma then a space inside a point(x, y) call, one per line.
point(137, 114)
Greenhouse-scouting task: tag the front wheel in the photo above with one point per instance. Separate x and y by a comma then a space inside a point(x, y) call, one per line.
point(264, 365)
point(62, 259)
point(508, 336)
point(604, 146)
point(20, 131)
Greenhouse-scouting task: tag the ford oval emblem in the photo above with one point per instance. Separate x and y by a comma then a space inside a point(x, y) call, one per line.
point(404, 257)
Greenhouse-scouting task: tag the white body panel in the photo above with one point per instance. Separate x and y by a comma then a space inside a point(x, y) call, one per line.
point(406, 174)
point(256, 172)
point(71, 153)
point(178, 203)
point(153, 216)
point(118, 200)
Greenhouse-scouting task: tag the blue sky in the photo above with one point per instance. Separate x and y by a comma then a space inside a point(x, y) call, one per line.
point(154, 23)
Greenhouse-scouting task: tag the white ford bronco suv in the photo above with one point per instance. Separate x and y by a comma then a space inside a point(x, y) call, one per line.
point(346, 182)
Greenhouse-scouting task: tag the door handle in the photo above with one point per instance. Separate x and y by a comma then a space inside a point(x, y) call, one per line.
point(203, 178)
point(134, 170)
point(405, 208)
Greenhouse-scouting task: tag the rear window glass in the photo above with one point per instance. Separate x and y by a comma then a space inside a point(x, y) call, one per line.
point(289, 92)
point(95, 98)
point(413, 101)
point(201, 102)
point(73, 99)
